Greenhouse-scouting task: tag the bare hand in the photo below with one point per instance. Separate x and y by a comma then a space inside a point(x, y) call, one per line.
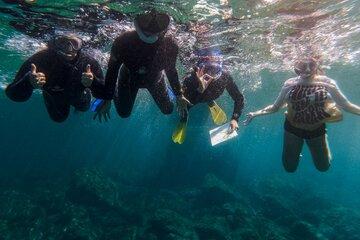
point(234, 126)
point(87, 77)
point(182, 105)
point(249, 118)
point(103, 111)
point(37, 79)
point(204, 79)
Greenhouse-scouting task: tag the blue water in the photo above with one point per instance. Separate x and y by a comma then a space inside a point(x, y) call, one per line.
point(138, 151)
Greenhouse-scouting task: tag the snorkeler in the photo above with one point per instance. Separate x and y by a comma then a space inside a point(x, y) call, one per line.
point(312, 100)
point(141, 56)
point(205, 84)
point(63, 73)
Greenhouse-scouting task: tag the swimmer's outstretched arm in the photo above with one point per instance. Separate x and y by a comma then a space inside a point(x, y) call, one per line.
point(340, 99)
point(112, 73)
point(279, 103)
point(237, 96)
point(114, 64)
point(172, 75)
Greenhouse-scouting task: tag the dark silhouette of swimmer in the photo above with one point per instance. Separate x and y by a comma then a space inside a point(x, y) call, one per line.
point(65, 75)
point(139, 59)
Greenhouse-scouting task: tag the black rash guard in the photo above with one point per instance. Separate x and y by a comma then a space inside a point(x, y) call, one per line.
point(214, 91)
point(144, 61)
point(63, 85)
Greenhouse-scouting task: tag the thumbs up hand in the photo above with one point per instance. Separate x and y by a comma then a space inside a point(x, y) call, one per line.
point(37, 79)
point(87, 77)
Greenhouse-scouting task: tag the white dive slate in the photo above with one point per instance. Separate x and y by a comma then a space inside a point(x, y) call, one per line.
point(220, 134)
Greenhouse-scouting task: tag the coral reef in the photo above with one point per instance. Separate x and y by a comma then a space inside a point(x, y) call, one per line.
point(91, 205)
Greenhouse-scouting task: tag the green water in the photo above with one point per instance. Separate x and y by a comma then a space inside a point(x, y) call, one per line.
point(42, 162)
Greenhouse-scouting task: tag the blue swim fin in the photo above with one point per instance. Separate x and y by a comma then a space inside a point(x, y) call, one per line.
point(96, 104)
point(171, 94)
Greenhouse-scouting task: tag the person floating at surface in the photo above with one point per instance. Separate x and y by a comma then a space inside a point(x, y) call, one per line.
point(141, 56)
point(205, 84)
point(63, 73)
point(312, 100)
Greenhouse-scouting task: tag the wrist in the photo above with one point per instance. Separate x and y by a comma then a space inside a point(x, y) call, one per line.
point(235, 117)
point(27, 77)
point(180, 96)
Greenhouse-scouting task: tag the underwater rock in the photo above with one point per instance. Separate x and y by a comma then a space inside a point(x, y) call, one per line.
point(236, 215)
point(19, 216)
point(272, 208)
point(123, 233)
point(214, 192)
point(253, 234)
point(18, 207)
point(4, 230)
point(286, 221)
point(79, 225)
point(342, 223)
point(303, 230)
point(167, 224)
point(212, 228)
point(245, 234)
point(91, 187)
point(311, 217)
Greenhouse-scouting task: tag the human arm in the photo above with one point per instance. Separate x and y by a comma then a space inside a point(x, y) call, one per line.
point(114, 64)
point(340, 99)
point(238, 98)
point(26, 79)
point(170, 68)
point(93, 78)
point(279, 102)
point(173, 77)
point(108, 89)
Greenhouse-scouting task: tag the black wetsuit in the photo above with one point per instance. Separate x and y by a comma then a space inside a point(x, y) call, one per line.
point(63, 85)
point(142, 66)
point(213, 91)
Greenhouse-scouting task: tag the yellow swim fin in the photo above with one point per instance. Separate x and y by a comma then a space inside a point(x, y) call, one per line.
point(180, 133)
point(218, 115)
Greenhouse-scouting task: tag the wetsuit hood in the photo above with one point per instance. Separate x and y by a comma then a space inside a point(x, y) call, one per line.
point(151, 26)
point(153, 22)
point(150, 39)
point(67, 47)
